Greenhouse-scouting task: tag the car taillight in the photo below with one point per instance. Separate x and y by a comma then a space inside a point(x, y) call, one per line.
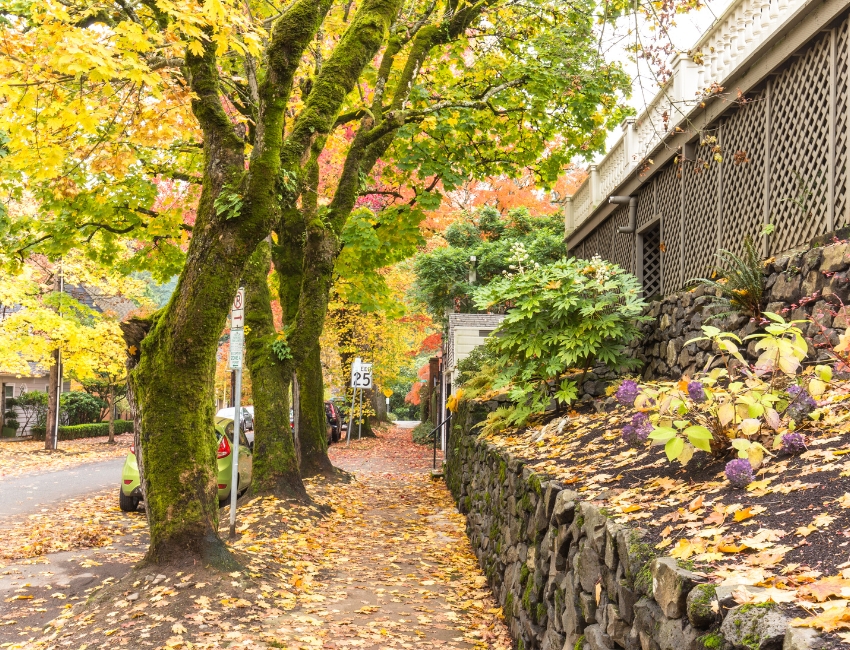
point(127, 481)
point(223, 448)
point(133, 448)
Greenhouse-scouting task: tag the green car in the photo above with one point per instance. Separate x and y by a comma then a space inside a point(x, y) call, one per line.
point(131, 492)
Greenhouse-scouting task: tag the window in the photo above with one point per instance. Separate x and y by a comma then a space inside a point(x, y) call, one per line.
point(649, 257)
point(483, 334)
point(9, 391)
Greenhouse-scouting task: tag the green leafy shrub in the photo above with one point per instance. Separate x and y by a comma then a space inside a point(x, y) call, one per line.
point(480, 357)
point(33, 405)
point(422, 433)
point(561, 316)
point(740, 282)
point(78, 407)
point(442, 275)
point(78, 431)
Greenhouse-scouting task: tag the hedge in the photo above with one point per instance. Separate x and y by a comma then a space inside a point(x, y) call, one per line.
point(86, 430)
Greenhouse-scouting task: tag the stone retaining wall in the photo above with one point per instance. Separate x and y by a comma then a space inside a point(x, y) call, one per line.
point(570, 578)
point(800, 284)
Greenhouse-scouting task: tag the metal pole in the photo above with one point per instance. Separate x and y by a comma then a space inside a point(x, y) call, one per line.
point(360, 415)
point(351, 418)
point(59, 362)
point(237, 421)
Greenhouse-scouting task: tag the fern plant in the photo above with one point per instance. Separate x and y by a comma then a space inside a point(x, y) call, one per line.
point(740, 282)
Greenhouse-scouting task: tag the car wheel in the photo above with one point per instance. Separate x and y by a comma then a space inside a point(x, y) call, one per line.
point(335, 434)
point(127, 504)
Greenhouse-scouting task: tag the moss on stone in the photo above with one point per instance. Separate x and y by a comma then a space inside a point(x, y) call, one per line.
point(541, 612)
point(688, 565)
point(503, 471)
point(711, 641)
point(509, 605)
point(559, 600)
point(700, 606)
point(526, 596)
point(523, 574)
point(534, 482)
point(579, 643)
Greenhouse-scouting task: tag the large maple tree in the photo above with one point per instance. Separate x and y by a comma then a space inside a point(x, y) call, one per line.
point(242, 99)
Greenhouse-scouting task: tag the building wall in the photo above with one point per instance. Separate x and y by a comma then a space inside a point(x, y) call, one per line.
point(13, 386)
point(784, 149)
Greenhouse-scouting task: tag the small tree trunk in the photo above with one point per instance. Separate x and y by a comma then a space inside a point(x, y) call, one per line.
point(379, 405)
point(275, 463)
point(312, 429)
point(111, 406)
point(51, 430)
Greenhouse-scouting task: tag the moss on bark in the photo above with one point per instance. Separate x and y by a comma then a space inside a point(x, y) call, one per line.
point(275, 462)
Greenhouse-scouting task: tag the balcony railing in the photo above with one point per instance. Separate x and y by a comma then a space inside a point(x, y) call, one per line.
point(726, 45)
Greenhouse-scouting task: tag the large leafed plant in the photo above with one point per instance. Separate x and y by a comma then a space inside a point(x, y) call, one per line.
point(560, 317)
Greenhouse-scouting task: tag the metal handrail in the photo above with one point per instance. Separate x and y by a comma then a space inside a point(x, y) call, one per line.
point(434, 433)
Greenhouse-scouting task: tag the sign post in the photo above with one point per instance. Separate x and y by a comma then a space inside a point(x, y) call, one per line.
point(355, 369)
point(361, 378)
point(237, 343)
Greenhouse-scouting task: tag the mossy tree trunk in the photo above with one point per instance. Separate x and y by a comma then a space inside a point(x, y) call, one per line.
point(313, 426)
point(307, 301)
point(173, 381)
point(276, 464)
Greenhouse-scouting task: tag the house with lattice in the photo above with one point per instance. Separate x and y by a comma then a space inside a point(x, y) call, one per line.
point(748, 138)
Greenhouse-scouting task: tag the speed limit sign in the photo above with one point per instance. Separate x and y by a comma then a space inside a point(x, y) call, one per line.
point(361, 374)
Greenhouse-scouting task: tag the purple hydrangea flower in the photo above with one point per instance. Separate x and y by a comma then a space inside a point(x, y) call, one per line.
point(638, 431)
point(739, 472)
point(801, 403)
point(793, 443)
point(627, 392)
point(696, 391)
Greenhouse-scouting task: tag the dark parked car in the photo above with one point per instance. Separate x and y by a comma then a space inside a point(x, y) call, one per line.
point(334, 419)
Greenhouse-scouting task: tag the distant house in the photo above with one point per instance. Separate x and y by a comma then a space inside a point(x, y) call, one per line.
point(14, 385)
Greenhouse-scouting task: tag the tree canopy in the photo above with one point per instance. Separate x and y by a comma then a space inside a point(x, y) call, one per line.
point(495, 239)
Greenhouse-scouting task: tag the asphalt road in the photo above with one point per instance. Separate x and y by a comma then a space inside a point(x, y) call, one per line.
point(32, 492)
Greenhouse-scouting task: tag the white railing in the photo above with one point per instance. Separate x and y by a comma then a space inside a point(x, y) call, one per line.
point(744, 25)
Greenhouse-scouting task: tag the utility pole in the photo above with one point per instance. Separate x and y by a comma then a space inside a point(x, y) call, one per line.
point(51, 424)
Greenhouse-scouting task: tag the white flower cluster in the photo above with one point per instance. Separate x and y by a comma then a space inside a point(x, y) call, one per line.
point(603, 270)
point(518, 259)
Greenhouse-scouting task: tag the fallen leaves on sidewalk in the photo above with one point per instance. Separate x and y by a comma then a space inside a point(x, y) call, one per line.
point(19, 457)
point(386, 566)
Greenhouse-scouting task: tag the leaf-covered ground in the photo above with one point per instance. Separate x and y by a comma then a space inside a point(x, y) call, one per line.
point(387, 566)
point(19, 457)
point(786, 536)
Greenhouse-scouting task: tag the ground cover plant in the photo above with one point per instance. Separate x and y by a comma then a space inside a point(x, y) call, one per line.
point(741, 471)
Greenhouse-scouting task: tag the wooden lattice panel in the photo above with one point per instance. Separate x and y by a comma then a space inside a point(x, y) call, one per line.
point(700, 174)
point(743, 139)
point(842, 105)
point(652, 258)
point(668, 204)
point(604, 235)
point(646, 204)
point(799, 146)
point(622, 245)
